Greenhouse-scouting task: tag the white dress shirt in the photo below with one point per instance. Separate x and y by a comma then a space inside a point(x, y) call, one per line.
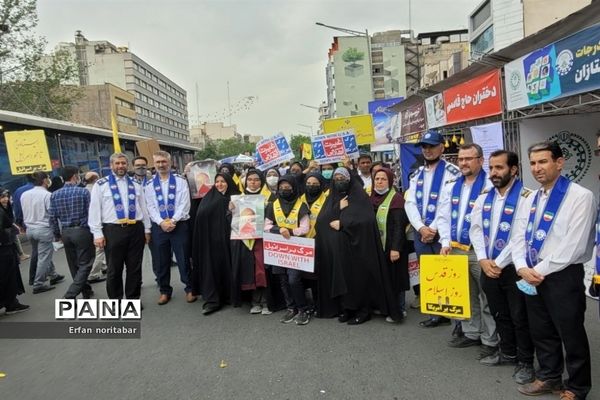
point(102, 206)
point(367, 180)
point(412, 211)
point(571, 237)
point(476, 232)
point(182, 199)
point(445, 209)
point(35, 204)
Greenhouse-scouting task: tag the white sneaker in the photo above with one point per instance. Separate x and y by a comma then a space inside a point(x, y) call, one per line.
point(256, 310)
point(266, 311)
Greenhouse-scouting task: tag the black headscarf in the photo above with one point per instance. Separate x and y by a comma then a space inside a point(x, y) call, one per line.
point(322, 181)
point(8, 218)
point(229, 167)
point(300, 177)
point(254, 171)
point(287, 205)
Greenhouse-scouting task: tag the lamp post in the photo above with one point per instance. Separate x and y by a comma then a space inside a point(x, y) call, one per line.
point(364, 34)
point(307, 126)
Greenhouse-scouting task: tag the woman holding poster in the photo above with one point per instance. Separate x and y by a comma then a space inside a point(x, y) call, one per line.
point(392, 222)
point(349, 261)
point(211, 254)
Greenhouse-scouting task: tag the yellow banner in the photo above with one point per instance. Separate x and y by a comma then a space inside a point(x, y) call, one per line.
point(307, 151)
point(115, 129)
point(445, 286)
point(27, 152)
point(362, 125)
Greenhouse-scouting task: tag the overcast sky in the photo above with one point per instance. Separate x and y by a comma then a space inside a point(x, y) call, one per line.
point(270, 49)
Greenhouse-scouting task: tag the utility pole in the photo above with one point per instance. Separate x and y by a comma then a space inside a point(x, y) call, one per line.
point(229, 103)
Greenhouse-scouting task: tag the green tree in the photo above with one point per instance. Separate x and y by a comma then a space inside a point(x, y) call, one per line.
point(296, 143)
point(352, 55)
point(31, 82)
point(221, 148)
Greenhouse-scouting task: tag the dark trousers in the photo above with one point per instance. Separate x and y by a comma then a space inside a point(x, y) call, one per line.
point(507, 306)
point(162, 246)
point(293, 289)
point(556, 319)
point(425, 248)
point(80, 252)
point(124, 248)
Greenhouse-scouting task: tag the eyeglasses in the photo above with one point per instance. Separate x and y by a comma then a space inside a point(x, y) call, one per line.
point(467, 159)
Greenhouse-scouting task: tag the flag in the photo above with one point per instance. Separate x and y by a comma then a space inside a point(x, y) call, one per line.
point(115, 129)
point(307, 151)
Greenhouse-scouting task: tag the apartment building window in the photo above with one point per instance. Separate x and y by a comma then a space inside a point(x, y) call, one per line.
point(481, 15)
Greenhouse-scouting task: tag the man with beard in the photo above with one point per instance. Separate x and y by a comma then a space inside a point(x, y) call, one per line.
point(119, 224)
point(490, 233)
point(422, 204)
point(456, 204)
point(553, 239)
point(168, 200)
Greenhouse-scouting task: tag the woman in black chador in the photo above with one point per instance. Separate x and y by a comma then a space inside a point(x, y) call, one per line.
point(350, 263)
point(211, 253)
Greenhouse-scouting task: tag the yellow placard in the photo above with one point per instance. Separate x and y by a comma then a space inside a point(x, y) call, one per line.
point(27, 151)
point(445, 285)
point(307, 151)
point(362, 125)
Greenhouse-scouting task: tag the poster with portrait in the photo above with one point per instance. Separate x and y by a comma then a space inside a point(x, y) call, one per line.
point(201, 177)
point(248, 216)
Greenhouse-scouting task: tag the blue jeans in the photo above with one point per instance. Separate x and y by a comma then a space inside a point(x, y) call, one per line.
point(162, 245)
point(41, 238)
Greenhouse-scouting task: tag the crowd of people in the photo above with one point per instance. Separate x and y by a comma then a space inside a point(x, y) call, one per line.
point(525, 247)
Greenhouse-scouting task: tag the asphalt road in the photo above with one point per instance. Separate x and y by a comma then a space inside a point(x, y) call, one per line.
point(180, 354)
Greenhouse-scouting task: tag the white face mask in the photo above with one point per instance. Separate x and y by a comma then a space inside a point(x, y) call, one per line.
point(272, 180)
point(382, 191)
point(253, 191)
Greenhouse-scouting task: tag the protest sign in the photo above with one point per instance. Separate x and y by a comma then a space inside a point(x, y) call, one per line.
point(294, 253)
point(273, 151)
point(332, 147)
point(27, 151)
point(248, 216)
point(362, 125)
point(445, 285)
point(201, 177)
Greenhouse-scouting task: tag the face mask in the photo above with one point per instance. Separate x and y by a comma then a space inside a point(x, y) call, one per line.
point(327, 173)
point(252, 191)
point(313, 189)
point(140, 171)
point(295, 173)
point(49, 183)
point(382, 191)
point(342, 186)
point(286, 194)
point(272, 180)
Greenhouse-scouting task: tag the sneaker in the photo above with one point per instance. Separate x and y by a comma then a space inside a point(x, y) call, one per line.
point(266, 311)
point(524, 373)
point(498, 358)
point(256, 309)
point(486, 351)
point(57, 278)
point(302, 318)
point(393, 321)
point(16, 308)
point(538, 387)
point(415, 303)
point(42, 289)
point(288, 316)
point(462, 342)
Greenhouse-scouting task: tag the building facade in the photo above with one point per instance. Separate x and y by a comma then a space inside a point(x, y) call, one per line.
point(160, 104)
point(442, 54)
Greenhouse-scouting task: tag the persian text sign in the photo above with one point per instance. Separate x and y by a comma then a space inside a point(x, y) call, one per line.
point(333, 147)
point(413, 120)
point(27, 152)
point(445, 285)
point(361, 124)
point(477, 98)
point(563, 68)
point(294, 253)
point(272, 151)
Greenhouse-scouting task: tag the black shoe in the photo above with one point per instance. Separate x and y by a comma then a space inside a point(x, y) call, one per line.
point(96, 280)
point(457, 330)
point(56, 279)
point(209, 308)
point(359, 319)
point(486, 351)
point(524, 373)
point(345, 316)
point(462, 342)
point(42, 289)
point(17, 308)
point(434, 322)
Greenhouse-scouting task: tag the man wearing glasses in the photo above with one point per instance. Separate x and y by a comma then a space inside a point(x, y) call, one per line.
point(457, 202)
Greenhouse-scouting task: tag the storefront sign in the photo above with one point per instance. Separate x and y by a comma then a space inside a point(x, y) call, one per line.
point(477, 98)
point(563, 68)
point(413, 120)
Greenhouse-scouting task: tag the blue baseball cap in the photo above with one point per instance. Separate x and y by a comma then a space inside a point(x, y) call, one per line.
point(432, 138)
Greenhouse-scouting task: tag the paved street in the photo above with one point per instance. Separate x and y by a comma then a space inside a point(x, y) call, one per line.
point(180, 352)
